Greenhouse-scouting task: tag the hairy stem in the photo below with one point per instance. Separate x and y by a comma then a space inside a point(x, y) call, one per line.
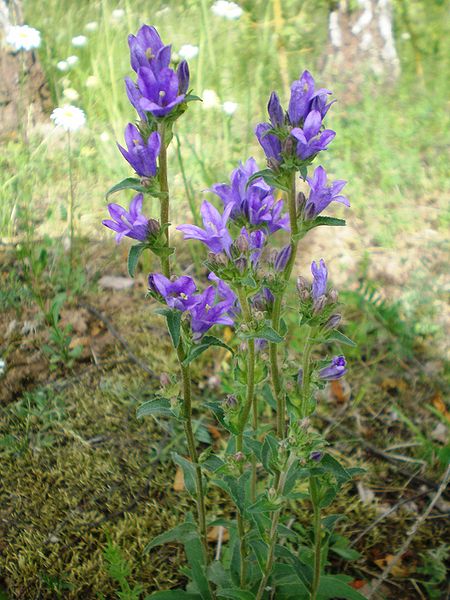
point(276, 314)
point(164, 200)
point(71, 204)
point(273, 529)
point(314, 490)
point(187, 416)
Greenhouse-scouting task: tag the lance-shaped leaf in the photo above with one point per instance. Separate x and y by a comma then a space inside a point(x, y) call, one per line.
point(130, 183)
point(157, 407)
point(133, 258)
point(318, 221)
point(173, 318)
point(188, 473)
point(206, 342)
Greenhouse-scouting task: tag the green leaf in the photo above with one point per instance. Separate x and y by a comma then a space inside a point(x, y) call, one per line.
point(236, 594)
point(333, 587)
point(173, 595)
point(337, 336)
point(157, 407)
point(205, 343)
point(331, 465)
point(269, 453)
point(173, 318)
point(265, 333)
point(218, 575)
point(220, 416)
point(188, 472)
point(184, 533)
point(130, 183)
point(330, 221)
point(133, 257)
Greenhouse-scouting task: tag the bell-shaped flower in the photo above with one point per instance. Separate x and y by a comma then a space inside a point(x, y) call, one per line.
point(256, 241)
point(321, 195)
point(275, 110)
point(141, 154)
point(147, 50)
point(179, 294)
point(304, 99)
point(320, 274)
point(253, 203)
point(134, 96)
point(208, 312)
point(269, 142)
point(335, 370)
point(160, 92)
point(130, 223)
point(215, 234)
point(310, 140)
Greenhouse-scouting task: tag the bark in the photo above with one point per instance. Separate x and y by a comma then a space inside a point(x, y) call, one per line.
point(361, 42)
point(20, 103)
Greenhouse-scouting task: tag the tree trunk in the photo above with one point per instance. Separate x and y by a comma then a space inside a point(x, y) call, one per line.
point(24, 93)
point(361, 42)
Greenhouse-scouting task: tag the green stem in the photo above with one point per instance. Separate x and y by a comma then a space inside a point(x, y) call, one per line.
point(187, 417)
point(71, 205)
point(164, 200)
point(306, 363)
point(273, 529)
point(314, 490)
point(276, 314)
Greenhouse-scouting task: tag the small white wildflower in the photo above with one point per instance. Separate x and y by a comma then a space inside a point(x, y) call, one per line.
point(188, 51)
point(91, 26)
point(406, 35)
point(228, 10)
point(23, 37)
point(118, 14)
point(69, 117)
point(62, 65)
point(79, 41)
point(2, 366)
point(72, 60)
point(210, 99)
point(71, 94)
point(229, 107)
point(92, 81)
point(104, 136)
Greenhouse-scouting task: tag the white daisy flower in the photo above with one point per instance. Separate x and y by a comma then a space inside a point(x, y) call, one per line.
point(2, 366)
point(69, 117)
point(62, 65)
point(91, 26)
point(23, 37)
point(118, 14)
point(79, 41)
point(72, 60)
point(210, 99)
point(71, 94)
point(229, 107)
point(104, 136)
point(228, 10)
point(188, 51)
point(92, 81)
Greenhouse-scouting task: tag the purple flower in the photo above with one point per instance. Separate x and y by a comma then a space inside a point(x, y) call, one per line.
point(160, 91)
point(134, 96)
point(183, 77)
point(255, 203)
point(147, 50)
point(263, 300)
point(309, 142)
point(335, 370)
point(141, 155)
point(256, 241)
point(320, 195)
point(179, 294)
point(282, 258)
point(269, 142)
point(316, 455)
point(305, 99)
point(206, 312)
point(215, 235)
point(320, 274)
point(276, 113)
point(128, 223)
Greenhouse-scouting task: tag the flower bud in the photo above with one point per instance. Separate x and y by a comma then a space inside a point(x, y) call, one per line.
point(282, 258)
point(333, 296)
point(231, 401)
point(241, 244)
point(316, 455)
point(275, 111)
point(239, 457)
point(153, 227)
point(273, 164)
point(300, 202)
point(300, 378)
point(332, 322)
point(302, 284)
point(288, 146)
point(272, 493)
point(183, 77)
point(304, 295)
point(319, 304)
point(241, 264)
point(164, 379)
point(304, 423)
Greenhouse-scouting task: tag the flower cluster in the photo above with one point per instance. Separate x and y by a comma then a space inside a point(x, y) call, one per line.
point(159, 88)
point(213, 306)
